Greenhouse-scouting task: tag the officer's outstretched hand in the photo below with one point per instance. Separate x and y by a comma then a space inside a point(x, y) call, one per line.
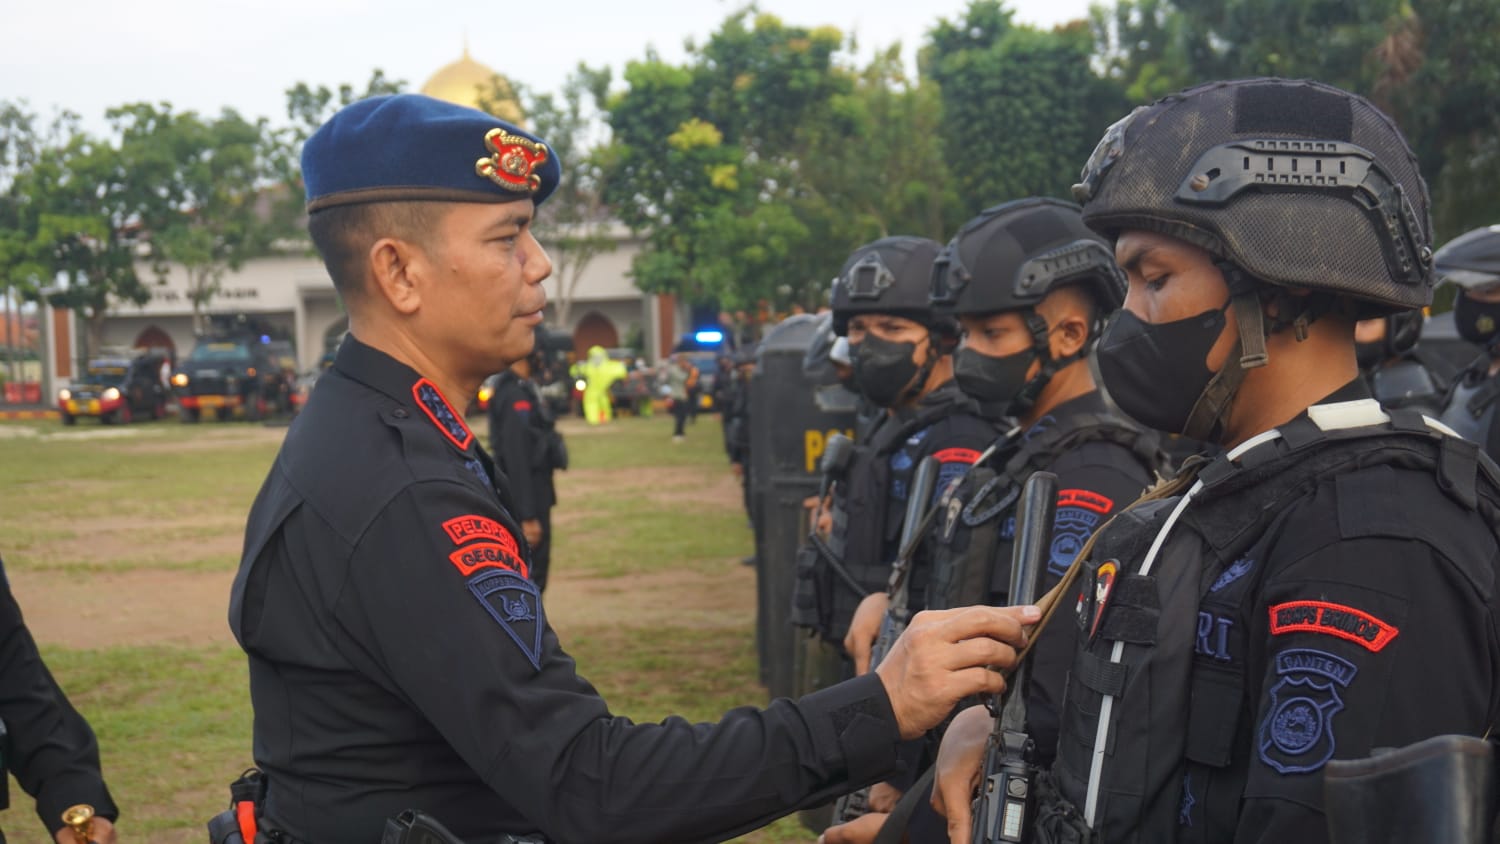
point(943, 657)
point(958, 769)
point(864, 629)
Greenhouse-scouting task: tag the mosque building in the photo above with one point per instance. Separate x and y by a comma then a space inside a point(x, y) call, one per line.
point(290, 295)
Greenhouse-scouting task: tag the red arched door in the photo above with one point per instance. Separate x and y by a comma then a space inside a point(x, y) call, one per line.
point(594, 329)
point(154, 338)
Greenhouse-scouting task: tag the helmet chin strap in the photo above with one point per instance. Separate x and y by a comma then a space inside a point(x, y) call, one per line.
point(1032, 390)
point(918, 383)
point(1206, 421)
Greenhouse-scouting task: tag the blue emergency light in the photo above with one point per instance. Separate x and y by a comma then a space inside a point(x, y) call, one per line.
point(709, 336)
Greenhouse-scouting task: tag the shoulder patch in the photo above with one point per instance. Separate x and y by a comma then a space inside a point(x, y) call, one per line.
point(482, 555)
point(1087, 499)
point(465, 528)
point(431, 400)
point(1296, 735)
point(1071, 528)
point(1344, 622)
point(513, 602)
point(956, 455)
point(521, 406)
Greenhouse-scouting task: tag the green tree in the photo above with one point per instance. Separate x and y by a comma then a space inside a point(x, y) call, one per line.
point(216, 201)
point(84, 204)
point(1022, 107)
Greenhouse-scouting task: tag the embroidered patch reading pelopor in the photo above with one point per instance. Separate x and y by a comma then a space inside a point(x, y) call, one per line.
point(465, 528)
point(1296, 735)
point(1347, 623)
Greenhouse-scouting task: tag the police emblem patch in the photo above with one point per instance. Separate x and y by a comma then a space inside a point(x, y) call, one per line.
point(513, 602)
point(1233, 573)
point(1071, 528)
point(512, 161)
point(1296, 735)
point(431, 400)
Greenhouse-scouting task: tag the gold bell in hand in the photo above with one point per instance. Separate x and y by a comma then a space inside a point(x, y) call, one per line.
point(81, 819)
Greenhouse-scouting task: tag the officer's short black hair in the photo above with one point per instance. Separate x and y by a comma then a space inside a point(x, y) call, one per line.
point(343, 235)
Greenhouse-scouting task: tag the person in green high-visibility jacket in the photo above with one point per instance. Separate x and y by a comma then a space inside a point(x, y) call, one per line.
point(598, 372)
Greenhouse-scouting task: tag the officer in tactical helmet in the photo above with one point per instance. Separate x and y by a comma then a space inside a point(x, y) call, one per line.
point(1319, 590)
point(1398, 370)
point(1472, 262)
point(1031, 287)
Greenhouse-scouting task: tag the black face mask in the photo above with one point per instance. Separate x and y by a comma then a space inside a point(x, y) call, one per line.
point(1478, 322)
point(992, 380)
point(1369, 355)
point(1156, 371)
point(883, 371)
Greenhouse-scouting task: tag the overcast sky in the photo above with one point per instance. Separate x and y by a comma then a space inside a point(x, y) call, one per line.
point(87, 55)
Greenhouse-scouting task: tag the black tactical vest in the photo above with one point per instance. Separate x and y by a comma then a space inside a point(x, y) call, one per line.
point(1165, 667)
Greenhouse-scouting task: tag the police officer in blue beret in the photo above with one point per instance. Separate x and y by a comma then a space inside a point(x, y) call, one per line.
point(400, 656)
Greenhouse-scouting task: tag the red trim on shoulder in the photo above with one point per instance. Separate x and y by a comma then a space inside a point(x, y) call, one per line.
point(522, 406)
point(416, 393)
point(957, 455)
point(1345, 622)
point(1087, 499)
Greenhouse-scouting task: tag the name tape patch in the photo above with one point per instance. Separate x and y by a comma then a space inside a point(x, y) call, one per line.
point(1344, 622)
point(466, 528)
point(482, 555)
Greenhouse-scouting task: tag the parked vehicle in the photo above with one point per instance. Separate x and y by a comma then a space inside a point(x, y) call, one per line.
point(224, 374)
point(118, 388)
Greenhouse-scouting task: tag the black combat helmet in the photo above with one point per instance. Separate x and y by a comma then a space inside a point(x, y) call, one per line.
point(889, 276)
point(1296, 183)
point(1012, 255)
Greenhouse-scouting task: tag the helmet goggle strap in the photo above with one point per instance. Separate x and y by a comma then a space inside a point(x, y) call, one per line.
point(949, 277)
point(1206, 420)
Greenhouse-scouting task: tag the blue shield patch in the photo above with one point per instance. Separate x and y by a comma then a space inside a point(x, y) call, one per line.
point(1296, 736)
point(1070, 530)
point(514, 603)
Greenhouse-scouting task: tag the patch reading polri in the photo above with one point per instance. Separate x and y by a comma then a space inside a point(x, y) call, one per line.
point(1346, 623)
point(1296, 735)
point(514, 603)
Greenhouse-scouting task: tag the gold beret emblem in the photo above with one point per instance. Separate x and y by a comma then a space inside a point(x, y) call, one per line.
point(512, 161)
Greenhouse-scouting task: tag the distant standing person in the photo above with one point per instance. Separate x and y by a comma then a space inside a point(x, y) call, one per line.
point(527, 449)
point(682, 376)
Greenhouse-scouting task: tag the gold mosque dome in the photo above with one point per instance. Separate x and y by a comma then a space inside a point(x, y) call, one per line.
point(462, 82)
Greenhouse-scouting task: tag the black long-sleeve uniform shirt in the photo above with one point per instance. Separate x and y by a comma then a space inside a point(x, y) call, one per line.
point(51, 749)
point(400, 657)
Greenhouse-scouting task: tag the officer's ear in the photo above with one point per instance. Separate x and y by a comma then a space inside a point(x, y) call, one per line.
point(394, 270)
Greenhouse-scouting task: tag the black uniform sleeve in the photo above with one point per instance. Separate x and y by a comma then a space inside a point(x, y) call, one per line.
point(510, 416)
point(52, 750)
point(1092, 486)
point(1381, 638)
point(437, 600)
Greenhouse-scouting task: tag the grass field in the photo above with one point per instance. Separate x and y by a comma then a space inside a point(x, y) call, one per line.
point(120, 544)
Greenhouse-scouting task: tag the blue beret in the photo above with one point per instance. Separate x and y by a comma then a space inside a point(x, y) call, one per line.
point(410, 147)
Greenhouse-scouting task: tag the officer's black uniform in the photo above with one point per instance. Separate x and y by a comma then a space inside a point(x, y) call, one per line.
point(869, 505)
point(521, 437)
point(735, 409)
point(400, 657)
point(1342, 619)
point(50, 748)
point(1095, 479)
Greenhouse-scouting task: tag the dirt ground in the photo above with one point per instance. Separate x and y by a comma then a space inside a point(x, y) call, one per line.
point(153, 606)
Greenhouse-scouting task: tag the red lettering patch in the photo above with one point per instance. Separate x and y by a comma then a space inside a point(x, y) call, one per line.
point(522, 406)
point(1086, 499)
point(1356, 626)
point(488, 555)
point(957, 455)
point(465, 528)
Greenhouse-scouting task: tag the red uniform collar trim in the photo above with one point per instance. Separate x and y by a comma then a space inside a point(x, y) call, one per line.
point(448, 421)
